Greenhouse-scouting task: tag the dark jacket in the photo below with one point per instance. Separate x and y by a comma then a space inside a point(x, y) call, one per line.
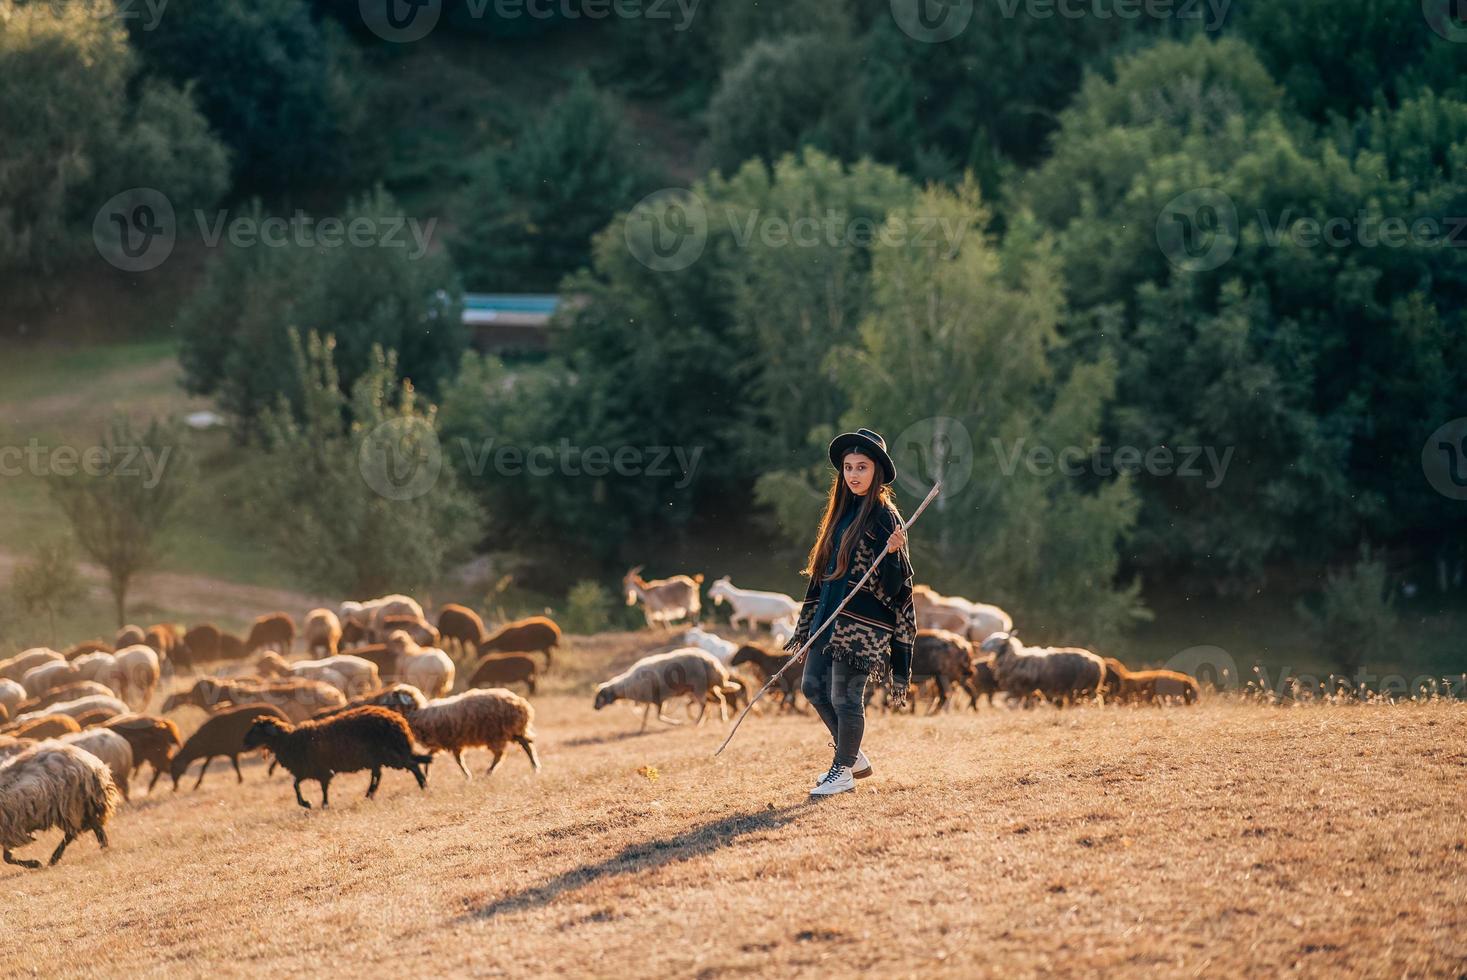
point(876, 630)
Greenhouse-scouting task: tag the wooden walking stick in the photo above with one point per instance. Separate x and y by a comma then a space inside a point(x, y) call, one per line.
point(816, 633)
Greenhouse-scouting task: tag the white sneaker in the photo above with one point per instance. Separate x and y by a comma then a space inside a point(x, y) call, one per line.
point(860, 770)
point(838, 780)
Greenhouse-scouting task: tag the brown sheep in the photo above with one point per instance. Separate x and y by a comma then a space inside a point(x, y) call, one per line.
point(353, 633)
point(89, 646)
point(460, 625)
point(128, 636)
point(1114, 672)
point(1153, 686)
point(271, 630)
point(768, 664)
point(537, 634)
point(490, 718)
point(298, 699)
point(154, 741)
point(164, 638)
point(362, 738)
point(49, 726)
point(422, 633)
point(982, 683)
point(94, 717)
point(945, 658)
point(231, 647)
point(503, 670)
point(221, 735)
point(202, 642)
point(322, 631)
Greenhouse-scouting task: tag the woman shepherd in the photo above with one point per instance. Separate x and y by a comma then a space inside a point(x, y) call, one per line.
point(872, 637)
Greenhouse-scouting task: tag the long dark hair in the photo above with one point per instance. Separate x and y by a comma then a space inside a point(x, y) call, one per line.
point(835, 504)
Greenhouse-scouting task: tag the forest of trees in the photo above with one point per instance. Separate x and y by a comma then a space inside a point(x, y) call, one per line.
point(1216, 263)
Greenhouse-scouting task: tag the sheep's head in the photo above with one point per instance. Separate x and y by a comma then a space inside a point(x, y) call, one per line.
point(272, 663)
point(399, 642)
point(745, 655)
point(604, 696)
point(263, 731)
point(630, 583)
point(997, 643)
point(402, 698)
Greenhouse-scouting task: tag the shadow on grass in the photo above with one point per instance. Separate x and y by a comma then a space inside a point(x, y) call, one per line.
point(643, 856)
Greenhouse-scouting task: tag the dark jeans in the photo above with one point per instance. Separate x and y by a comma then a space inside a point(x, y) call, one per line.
point(837, 692)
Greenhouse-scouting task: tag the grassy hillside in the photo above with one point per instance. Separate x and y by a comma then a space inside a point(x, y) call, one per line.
point(1227, 839)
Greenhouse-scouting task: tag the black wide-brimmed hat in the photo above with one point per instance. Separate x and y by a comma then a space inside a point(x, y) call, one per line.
point(870, 444)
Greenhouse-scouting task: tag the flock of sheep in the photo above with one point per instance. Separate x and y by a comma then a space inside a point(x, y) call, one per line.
point(378, 692)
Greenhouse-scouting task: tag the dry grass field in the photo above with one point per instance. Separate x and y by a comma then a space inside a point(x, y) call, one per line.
point(1227, 839)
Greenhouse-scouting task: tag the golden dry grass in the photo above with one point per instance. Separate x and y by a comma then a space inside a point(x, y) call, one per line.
point(1226, 839)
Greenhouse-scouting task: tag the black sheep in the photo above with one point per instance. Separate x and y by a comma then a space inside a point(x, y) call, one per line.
point(362, 738)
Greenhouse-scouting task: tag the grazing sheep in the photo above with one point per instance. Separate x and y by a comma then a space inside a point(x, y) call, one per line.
point(507, 669)
point(362, 738)
point(297, 699)
point(232, 647)
point(975, 620)
point(1060, 674)
point(67, 692)
point(348, 674)
point(490, 718)
point(53, 785)
point(75, 709)
point(88, 646)
point(101, 668)
point(534, 634)
point(47, 726)
point(9, 745)
point(51, 674)
point(111, 748)
point(399, 697)
point(943, 657)
point(221, 735)
point(203, 642)
point(428, 669)
point(751, 605)
point(460, 625)
point(1154, 686)
point(164, 639)
point(128, 636)
point(723, 649)
point(368, 614)
point(322, 631)
point(768, 664)
point(12, 695)
point(154, 741)
point(271, 630)
point(655, 679)
point(419, 630)
point(27, 660)
point(138, 672)
point(983, 683)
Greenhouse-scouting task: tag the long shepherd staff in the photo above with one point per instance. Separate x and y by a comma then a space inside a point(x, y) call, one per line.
point(813, 636)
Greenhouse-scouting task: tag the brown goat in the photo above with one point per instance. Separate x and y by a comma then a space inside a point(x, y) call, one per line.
point(537, 634)
point(460, 625)
point(502, 670)
point(271, 630)
point(154, 741)
point(1152, 686)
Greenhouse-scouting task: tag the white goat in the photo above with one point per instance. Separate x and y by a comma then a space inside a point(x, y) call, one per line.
point(751, 605)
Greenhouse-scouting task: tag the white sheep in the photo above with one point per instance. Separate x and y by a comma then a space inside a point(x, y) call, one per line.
point(349, 675)
point(75, 709)
point(111, 748)
point(368, 614)
point(27, 660)
point(322, 631)
point(138, 670)
point(102, 668)
point(1060, 674)
point(53, 673)
point(11, 694)
point(712, 642)
point(53, 785)
point(428, 669)
point(653, 680)
point(751, 605)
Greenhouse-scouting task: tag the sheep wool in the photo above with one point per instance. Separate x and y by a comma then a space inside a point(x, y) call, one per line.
point(489, 718)
point(53, 785)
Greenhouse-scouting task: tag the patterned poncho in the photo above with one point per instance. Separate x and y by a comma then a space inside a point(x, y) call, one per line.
point(877, 628)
